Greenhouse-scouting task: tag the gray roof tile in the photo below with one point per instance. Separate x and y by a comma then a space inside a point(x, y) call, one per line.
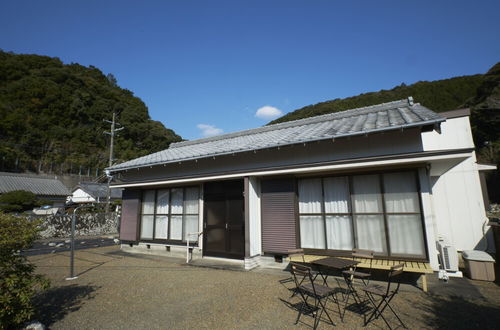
point(36, 185)
point(382, 117)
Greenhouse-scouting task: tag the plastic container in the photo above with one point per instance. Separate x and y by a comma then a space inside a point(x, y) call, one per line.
point(479, 265)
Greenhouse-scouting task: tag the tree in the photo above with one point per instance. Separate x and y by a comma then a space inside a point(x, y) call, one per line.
point(112, 79)
point(18, 201)
point(18, 281)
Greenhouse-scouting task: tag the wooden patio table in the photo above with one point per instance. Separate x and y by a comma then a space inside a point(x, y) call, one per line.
point(334, 263)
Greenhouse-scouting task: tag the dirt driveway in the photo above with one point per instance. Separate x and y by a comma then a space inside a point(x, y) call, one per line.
point(115, 290)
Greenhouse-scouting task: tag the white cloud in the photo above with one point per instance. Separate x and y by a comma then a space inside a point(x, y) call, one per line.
point(209, 130)
point(268, 112)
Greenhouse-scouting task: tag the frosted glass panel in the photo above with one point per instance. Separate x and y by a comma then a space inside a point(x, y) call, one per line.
point(367, 198)
point(191, 226)
point(370, 232)
point(310, 196)
point(191, 201)
point(176, 227)
point(405, 233)
point(312, 232)
point(401, 193)
point(162, 201)
point(161, 227)
point(176, 201)
point(147, 226)
point(336, 195)
point(339, 232)
point(148, 202)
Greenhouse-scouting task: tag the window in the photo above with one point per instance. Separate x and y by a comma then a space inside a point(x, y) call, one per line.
point(170, 214)
point(379, 212)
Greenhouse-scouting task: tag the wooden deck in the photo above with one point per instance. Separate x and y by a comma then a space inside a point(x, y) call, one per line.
point(422, 268)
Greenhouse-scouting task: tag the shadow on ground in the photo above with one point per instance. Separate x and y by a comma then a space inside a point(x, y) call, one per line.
point(458, 312)
point(53, 304)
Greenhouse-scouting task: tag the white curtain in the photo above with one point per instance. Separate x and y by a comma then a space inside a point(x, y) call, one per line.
point(177, 201)
point(162, 201)
point(148, 202)
point(336, 195)
point(370, 232)
point(405, 233)
point(191, 226)
point(176, 227)
point(405, 230)
point(312, 232)
point(339, 232)
point(310, 196)
point(191, 201)
point(338, 227)
point(367, 197)
point(161, 227)
point(401, 193)
point(147, 226)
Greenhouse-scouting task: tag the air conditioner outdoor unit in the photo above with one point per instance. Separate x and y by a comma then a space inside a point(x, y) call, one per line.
point(449, 260)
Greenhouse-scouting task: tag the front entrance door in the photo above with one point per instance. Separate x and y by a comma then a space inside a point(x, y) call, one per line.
point(224, 219)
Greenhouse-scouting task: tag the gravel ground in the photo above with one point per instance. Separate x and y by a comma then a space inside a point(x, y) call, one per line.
point(115, 290)
point(53, 245)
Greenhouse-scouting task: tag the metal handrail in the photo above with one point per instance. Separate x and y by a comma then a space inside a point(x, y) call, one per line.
point(198, 234)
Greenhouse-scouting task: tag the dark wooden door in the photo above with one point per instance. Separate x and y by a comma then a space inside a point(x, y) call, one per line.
point(224, 219)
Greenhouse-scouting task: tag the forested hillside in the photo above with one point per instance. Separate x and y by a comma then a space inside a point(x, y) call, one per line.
point(52, 117)
point(481, 93)
point(440, 95)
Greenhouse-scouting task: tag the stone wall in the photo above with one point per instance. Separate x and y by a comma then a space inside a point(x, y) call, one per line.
point(87, 224)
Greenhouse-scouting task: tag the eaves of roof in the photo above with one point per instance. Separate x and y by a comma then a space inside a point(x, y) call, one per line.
point(397, 115)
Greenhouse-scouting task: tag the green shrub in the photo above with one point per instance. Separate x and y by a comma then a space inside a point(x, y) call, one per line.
point(18, 201)
point(18, 281)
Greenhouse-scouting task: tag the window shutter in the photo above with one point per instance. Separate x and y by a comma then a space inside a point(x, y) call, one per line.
point(131, 208)
point(279, 232)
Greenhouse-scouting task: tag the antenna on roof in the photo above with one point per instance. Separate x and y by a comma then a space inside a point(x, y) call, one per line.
point(410, 100)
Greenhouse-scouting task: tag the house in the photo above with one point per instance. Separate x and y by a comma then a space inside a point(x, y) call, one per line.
point(92, 192)
point(392, 178)
point(47, 188)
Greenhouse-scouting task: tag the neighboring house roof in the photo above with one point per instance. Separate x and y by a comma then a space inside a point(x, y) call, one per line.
point(383, 117)
point(99, 190)
point(38, 186)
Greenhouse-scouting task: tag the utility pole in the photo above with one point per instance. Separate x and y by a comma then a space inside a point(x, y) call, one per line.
point(111, 145)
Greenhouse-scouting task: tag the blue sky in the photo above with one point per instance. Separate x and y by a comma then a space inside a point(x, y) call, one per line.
point(208, 66)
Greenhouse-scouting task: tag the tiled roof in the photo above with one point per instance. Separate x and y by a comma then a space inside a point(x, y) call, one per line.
point(36, 185)
point(99, 190)
point(377, 118)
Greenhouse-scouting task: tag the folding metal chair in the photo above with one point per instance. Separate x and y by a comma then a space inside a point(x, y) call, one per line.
point(320, 294)
point(299, 253)
point(385, 295)
point(354, 273)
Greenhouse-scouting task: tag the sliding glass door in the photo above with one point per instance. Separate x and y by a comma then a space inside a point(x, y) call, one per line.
point(379, 212)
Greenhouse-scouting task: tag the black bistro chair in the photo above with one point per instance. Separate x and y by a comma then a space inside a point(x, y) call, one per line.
point(307, 289)
point(381, 296)
point(354, 273)
point(299, 257)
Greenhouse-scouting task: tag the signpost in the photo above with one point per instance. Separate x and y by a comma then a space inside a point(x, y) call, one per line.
point(72, 257)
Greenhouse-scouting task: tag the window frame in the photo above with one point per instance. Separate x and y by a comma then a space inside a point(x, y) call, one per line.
point(169, 215)
point(352, 214)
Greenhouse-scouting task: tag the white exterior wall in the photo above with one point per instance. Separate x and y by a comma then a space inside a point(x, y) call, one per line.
point(430, 226)
point(80, 196)
point(254, 217)
point(458, 207)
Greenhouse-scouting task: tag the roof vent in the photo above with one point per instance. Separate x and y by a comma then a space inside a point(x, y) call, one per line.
point(410, 100)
